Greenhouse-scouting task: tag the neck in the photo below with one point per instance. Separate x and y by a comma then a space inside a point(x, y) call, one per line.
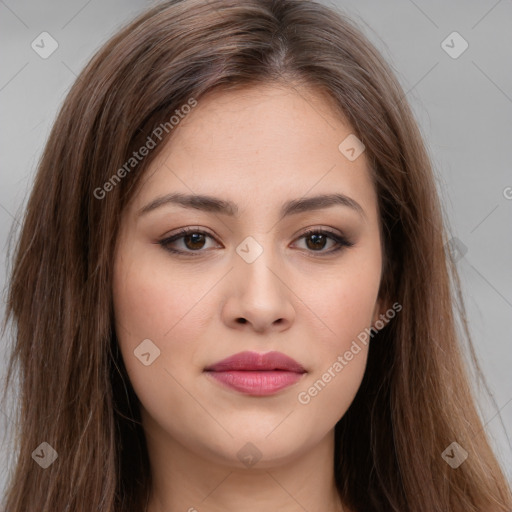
point(186, 480)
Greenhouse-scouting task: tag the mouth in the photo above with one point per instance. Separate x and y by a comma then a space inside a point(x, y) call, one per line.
point(257, 374)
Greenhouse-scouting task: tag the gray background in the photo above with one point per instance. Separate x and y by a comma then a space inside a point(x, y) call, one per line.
point(463, 106)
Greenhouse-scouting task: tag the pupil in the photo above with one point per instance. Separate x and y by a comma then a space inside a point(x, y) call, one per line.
point(316, 237)
point(194, 237)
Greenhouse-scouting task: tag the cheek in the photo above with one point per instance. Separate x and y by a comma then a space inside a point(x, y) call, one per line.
point(341, 353)
point(344, 303)
point(329, 394)
point(350, 309)
point(148, 305)
point(151, 298)
point(345, 307)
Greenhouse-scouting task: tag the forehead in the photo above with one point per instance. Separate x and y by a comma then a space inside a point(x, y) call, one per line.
point(270, 143)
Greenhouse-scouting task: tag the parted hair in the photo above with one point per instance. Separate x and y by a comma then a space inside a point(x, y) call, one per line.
point(416, 397)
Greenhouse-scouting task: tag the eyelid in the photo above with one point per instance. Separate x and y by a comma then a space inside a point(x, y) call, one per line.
point(182, 232)
point(340, 239)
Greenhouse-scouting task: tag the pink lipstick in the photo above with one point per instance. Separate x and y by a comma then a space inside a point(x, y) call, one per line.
point(257, 374)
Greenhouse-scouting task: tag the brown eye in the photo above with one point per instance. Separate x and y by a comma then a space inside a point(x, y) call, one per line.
point(193, 241)
point(316, 241)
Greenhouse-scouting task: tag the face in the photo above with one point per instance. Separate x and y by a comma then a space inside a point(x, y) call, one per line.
point(246, 278)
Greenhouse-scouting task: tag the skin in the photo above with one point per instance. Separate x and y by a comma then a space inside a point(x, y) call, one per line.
point(257, 147)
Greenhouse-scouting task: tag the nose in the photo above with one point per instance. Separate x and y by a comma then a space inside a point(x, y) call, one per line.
point(259, 295)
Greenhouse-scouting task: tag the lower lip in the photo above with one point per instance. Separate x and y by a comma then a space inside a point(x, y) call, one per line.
point(258, 383)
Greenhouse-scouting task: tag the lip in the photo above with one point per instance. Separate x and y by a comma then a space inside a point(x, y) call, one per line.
point(257, 374)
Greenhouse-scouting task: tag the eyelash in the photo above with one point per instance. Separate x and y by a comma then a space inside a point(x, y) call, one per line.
point(341, 241)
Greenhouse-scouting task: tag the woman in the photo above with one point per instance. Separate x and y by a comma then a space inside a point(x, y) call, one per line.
point(231, 288)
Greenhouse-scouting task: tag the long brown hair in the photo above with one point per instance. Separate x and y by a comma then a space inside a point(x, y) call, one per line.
point(74, 393)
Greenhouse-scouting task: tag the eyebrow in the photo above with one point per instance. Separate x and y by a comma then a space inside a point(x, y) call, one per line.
point(216, 205)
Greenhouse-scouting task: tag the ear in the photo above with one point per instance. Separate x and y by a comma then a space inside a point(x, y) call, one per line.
point(381, 306)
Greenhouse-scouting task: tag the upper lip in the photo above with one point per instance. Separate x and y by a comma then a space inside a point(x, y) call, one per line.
point(253, 361)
